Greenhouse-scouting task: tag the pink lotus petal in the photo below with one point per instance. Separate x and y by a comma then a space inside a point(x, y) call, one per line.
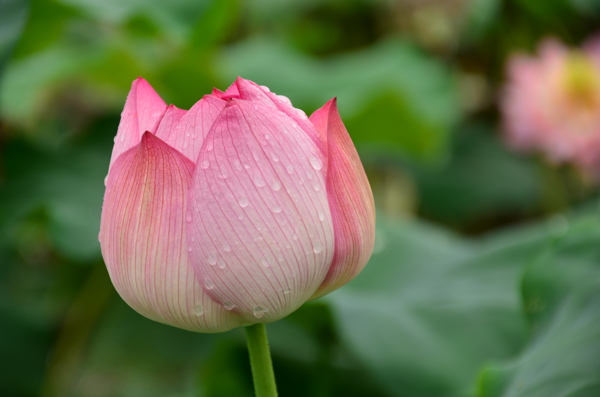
point(143, 110)
point(186, 131)
point(143, 239)
point(350, 201)
point(551, 103)
point(259, 212)
point(230, 92)
point(250, 91)
point(168, 127)
point(217, 93)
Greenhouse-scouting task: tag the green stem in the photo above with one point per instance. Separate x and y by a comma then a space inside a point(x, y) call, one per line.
point(260, 361)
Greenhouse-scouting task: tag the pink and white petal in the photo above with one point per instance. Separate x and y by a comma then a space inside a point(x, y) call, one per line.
point(552, 50)
point(250, 91)
point(169, 125)
point(143, 110)
point(350, 201)
point(259, 209)
point(217, 93)
point(143, 239)
point(192, 128)
point(230, 92)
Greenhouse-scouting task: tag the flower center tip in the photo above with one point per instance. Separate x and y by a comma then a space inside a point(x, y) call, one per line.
point(582, 80)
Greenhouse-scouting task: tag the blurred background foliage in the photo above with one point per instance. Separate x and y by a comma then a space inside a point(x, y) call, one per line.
point(485, 279)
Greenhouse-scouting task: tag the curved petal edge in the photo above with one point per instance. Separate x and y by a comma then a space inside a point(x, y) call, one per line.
point(350, 201)
point(144, 242)
point(143, 110)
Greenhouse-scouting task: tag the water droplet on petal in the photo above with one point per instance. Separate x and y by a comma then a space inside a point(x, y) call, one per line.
point(255, 156)
point(287, 291)
point(275, 156)
point(316, 187)
point(277, 209)
point(208, 283)
point(289, 168)
point(105, 180)
point(221, 263)
point(211, 260)
point(243, 201)
point(224, 174)
point(259, 311)
point(238, 165)
point(321, 216)
point(226, 247)
point(259, 181)
point(316, 163)
point(205, 164)
point(188, 217)
point(228, 305)
point(190, 249)
point(198, 310)
point(209, 146)
point(265, 262)
point(318, 247)
point(276, 185)
point(295, 237)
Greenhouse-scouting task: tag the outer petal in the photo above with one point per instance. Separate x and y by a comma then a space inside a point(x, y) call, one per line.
point(186, 131)
point(260, 213)
point(143, 110)
point(248, 90)
point(350, 201)
point(144, 243)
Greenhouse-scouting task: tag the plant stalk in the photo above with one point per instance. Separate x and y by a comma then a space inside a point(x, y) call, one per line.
point(260, 361)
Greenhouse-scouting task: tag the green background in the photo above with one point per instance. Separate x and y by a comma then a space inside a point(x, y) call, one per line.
point(485, 280)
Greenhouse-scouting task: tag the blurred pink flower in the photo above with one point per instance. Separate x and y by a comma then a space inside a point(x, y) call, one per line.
point(235, 212)
point(551, 103)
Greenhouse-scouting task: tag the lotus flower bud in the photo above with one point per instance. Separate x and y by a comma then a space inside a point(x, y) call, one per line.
point(234, 212)
point(551, 103)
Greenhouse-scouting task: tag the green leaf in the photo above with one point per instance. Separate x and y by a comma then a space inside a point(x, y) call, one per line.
point(67, 182)
point(430, 308)
point(228, 358)
point(482, 181)
point(175, 18)
point(561, 297)
point(130, 355)
point(13, 14)
point(26, 85)
point(24, 344)
point(591, 7)
point(480, 16)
